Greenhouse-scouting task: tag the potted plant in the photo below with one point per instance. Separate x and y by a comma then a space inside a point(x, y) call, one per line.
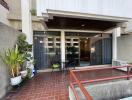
point(25, 48)
point(13, 59)
point(71, 56)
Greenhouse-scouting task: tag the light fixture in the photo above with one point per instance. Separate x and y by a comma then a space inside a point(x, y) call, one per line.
point(83, 25)
point(41, 41)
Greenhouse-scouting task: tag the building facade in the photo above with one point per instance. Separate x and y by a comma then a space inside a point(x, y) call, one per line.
point(102, 27)
point(92, 23)
point(51, 19)
point(76, 32)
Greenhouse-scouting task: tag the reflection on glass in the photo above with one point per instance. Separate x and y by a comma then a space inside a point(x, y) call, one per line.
point(92, 49)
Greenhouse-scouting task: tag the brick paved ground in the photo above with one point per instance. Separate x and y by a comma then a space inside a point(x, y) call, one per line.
point(47, 86)
point(44, 86)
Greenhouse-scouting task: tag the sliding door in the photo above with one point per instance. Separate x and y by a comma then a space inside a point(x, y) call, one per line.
point(46, 49)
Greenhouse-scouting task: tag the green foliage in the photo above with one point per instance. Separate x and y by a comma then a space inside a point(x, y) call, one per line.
point(24, 47)
point(56, 65)
point(29, 73)
point(72, 49)
point(16, 57)
point(33, 12)
point(13, 58)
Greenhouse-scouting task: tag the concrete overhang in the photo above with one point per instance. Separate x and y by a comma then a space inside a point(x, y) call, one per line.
point(50, 13)
point(62, 18)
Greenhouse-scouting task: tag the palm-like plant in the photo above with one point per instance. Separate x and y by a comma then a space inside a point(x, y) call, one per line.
point(13, 59)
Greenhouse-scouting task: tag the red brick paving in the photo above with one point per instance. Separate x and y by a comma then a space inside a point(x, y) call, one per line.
point(44, 86)
point(96, 74)
point(47, 86)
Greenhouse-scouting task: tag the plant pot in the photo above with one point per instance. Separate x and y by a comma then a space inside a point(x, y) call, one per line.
point(16, 80)
point(23, 73)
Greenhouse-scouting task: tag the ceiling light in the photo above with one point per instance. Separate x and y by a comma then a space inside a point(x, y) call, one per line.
point(83, 25)
point(41, 41)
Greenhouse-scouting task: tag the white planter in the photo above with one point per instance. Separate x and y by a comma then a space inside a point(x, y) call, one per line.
point(23, 73)
point(16, 80)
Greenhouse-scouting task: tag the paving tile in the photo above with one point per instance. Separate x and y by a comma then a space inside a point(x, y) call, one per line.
point(47, 86)
point(43, 86)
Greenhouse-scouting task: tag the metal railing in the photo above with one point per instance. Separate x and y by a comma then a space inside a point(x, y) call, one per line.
point(80, 83)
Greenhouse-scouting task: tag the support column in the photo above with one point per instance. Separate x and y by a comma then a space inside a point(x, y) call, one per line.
point(116, 33)
point(26, 20)
point(62, 48)
point(27, 25)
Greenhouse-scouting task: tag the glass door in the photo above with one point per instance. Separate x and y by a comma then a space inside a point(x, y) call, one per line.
point(72, 49)
point(101, 50)
point(46, 49)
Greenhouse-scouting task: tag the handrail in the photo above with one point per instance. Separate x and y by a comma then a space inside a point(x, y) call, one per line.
point(75, 93)
point(103, 79)
point(80, 83)
point(87, 95)
point(88, 69)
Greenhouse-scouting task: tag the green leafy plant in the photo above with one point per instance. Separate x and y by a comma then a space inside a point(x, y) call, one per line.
point(56, 65)
point(24, 48)
point(29, 73)
point(13, 58)
point(23, 45)
point(72, 50)
point(33, 12)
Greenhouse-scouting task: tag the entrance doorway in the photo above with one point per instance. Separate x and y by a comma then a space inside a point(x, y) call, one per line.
point(82, 49)
point(89, 48)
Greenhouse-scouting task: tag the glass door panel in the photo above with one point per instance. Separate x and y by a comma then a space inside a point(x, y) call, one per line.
point(46, 48)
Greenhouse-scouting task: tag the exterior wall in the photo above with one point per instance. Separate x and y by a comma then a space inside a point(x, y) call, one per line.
point(8, 37)
point(128, 26)
point(15, 7)
point(3, 15)
point(36, 25)
point(117, 8)
point(14, 15)
point(124, 48)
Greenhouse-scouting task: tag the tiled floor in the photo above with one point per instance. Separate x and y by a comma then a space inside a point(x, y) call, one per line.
point(96, 74)
point(47, 86)
point(44, 86)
